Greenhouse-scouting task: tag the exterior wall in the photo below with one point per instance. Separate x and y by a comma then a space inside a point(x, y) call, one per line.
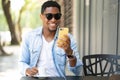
point(95, 25)
point(99, 27)
point(118, 28)
point(67, 13)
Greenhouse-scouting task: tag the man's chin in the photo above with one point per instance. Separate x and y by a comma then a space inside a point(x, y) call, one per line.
point(52, 30)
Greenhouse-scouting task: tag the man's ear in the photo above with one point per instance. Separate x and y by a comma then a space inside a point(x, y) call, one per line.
point(41, 16)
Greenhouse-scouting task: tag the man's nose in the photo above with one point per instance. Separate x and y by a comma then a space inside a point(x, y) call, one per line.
point(53, 19)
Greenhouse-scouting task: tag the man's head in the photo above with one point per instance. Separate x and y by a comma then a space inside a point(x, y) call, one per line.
point(50, 15)
point(50, 4)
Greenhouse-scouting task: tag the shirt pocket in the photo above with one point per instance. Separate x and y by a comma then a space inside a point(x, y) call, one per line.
point(34, 54)
point(61, 57)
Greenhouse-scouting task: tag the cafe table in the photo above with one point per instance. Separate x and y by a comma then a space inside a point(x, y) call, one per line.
point(67, 78)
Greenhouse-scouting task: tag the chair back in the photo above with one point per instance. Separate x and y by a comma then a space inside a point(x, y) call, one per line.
point(101, 64)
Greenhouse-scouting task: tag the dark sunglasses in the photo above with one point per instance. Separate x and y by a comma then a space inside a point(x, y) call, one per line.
point(49, 16)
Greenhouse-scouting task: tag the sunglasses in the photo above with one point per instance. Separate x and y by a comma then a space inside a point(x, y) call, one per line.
point(49, 16)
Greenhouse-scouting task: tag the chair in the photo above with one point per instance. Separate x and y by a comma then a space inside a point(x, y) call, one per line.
point(100, 64)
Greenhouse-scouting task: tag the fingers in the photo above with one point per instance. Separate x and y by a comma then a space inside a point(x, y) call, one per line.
point(63, 45)
point(64, 38)
point(34, 70)
point(31, 71)
point(63, 42)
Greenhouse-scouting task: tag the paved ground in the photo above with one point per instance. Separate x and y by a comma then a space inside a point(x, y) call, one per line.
point(9, 64)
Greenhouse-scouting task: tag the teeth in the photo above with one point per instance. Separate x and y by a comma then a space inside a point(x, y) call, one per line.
point(52, 24)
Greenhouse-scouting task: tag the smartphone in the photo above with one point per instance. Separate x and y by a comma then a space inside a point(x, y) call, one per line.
point(63, 31)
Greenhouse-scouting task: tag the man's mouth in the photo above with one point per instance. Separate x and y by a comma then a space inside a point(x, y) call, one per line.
point(53, 24)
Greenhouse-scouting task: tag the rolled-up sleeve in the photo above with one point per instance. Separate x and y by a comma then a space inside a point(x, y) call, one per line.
point(25, 55)
point(78, 68)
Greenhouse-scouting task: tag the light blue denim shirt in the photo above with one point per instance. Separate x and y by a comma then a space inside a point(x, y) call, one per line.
point(31, 49)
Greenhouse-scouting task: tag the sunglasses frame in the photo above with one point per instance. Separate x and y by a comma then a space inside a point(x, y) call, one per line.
point(56, 16)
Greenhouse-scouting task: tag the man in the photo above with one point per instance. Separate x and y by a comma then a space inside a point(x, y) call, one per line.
point(42, 54)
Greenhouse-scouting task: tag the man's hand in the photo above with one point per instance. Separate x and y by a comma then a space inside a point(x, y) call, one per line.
point(64, 43)
point(31, 71)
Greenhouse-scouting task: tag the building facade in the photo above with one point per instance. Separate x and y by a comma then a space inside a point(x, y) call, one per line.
point(95, 25)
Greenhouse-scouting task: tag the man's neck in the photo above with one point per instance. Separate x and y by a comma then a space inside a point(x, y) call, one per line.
point(49, 36)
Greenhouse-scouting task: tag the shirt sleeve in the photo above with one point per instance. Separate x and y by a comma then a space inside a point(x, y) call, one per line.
point(78, 68)
point(25, 55)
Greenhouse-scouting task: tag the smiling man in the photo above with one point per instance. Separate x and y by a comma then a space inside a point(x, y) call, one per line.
point(42, 55)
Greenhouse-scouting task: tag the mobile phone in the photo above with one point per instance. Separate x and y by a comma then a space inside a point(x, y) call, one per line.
point(63, 31)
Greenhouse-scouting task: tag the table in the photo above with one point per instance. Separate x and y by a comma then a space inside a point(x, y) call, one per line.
point(67, 78)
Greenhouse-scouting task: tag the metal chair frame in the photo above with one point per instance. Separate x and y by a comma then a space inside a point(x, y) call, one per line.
point(101, 64)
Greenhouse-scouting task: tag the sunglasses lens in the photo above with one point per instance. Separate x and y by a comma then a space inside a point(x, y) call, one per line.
point(49, 16)
point(57, 16)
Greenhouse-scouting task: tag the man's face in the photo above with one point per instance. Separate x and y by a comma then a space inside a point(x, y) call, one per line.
point(51, 18)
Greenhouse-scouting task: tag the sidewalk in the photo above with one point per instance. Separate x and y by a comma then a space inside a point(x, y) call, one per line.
point(9, 64)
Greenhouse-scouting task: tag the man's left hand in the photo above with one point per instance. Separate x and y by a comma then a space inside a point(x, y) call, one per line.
point(64, 43)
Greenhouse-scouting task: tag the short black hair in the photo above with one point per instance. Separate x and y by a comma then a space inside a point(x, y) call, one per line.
point(50, 4)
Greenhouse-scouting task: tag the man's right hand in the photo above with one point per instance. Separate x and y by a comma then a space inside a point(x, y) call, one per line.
point(31, 71)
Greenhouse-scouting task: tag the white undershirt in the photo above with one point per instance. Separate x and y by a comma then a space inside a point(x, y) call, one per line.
point(45, 64)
